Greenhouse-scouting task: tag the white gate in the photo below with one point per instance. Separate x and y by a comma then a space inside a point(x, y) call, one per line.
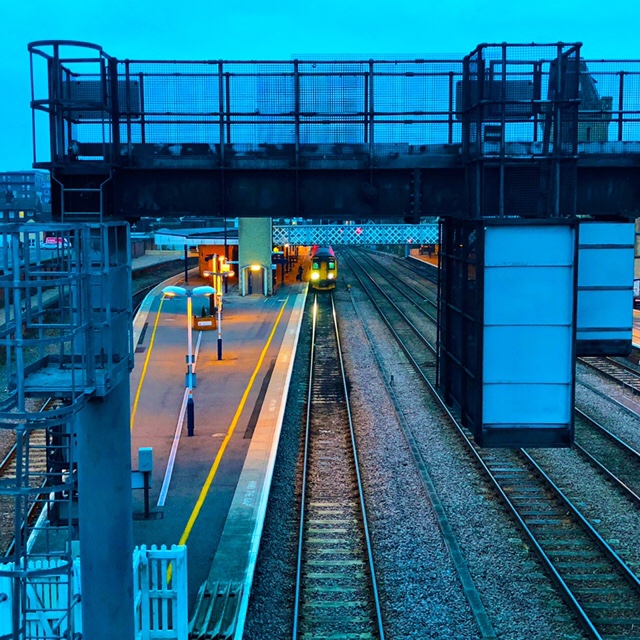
point(160, 597)
point(160, 592)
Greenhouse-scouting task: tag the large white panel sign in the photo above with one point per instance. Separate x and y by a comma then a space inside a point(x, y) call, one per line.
point(605, 288)
point(528, 336)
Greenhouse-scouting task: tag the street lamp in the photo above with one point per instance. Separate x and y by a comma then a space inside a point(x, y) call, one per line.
point(223, 270)
point(173, 291)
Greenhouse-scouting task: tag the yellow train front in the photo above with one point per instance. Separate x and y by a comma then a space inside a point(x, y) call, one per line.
point(324, 269)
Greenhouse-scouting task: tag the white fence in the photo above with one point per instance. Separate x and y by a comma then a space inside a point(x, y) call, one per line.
point(52, 596)
point(160, 597)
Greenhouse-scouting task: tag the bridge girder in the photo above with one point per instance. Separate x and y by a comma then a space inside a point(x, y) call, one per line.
point(602, 190)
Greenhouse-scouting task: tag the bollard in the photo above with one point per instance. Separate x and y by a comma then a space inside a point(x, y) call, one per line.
point(190, 415)
point(146, 476)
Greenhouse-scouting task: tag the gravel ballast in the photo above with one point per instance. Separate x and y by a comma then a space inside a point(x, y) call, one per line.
point(420, 591)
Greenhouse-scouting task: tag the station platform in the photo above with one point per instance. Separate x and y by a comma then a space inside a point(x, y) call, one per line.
point(209, 490)
point(424, 256)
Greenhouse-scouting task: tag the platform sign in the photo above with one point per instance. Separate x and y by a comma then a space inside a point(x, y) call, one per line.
point(605, 288)
point(528, 336)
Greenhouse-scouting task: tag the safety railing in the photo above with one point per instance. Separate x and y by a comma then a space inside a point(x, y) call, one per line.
point(55, 606)
point(134, 112)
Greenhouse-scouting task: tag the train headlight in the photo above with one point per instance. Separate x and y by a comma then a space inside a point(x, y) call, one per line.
point(315, 275)
point(331, 276)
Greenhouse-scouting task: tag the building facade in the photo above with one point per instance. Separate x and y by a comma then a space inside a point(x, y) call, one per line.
point(25, 195)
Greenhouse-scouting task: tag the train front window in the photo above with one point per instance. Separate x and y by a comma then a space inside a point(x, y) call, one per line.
point(315, 264)
point(332, 264)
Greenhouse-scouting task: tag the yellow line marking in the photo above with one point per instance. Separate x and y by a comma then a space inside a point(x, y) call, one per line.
point(146, 364)
point(223, 446)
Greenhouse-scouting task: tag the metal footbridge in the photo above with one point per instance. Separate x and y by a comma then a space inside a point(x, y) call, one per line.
point(540, 130)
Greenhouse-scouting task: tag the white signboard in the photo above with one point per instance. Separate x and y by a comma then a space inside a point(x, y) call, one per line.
point(528, 336)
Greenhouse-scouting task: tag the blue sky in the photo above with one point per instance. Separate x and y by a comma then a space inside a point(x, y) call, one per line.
point(276, 29)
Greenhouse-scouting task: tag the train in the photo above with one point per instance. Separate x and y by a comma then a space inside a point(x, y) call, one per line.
point(324, 268)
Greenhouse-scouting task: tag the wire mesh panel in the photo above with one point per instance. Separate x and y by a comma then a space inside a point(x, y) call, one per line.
point(509, 92)
point(172, 110)
point(521, 128)
point(513, 101)
point(609, 112)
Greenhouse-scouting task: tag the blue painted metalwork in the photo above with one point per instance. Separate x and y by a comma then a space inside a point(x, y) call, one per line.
point(338, 138)
point(605, 288)
point(66, 333)
point(355, 234)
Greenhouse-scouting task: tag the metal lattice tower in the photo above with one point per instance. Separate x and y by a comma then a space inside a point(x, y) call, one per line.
point(63, 308)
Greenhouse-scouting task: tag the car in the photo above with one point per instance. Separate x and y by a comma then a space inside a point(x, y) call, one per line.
point(53, 242)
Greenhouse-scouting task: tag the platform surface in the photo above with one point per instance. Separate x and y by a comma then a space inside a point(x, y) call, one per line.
point(238, 405)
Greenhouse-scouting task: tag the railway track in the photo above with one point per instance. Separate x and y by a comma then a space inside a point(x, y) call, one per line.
point(31, 467)
point(620, 373)
point(602, 590)
point(391, 304)
point(611, 455)
point(415, 291)
point(336, 594)
point(424, 270)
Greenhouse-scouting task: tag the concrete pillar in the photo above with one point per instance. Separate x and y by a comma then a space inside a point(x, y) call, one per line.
point(255, 237)
point(105, 515)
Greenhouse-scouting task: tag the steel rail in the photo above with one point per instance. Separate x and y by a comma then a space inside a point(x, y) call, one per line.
point(418, 334)
point(404, 286)
point(625, 459)
point(618, 372)
point(470, 591)
point(359, 601)
point(620, 567)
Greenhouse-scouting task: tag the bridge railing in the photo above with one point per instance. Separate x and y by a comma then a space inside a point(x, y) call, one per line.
point(167, 113)
point(365, 234)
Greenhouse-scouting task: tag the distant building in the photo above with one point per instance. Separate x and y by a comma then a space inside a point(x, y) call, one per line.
point(25, 195)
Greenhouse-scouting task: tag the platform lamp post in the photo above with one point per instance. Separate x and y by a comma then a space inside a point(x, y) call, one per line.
point(172, 292)
point(221, 271)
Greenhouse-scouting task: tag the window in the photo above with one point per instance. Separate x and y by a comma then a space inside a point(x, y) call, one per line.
point(332, 264)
